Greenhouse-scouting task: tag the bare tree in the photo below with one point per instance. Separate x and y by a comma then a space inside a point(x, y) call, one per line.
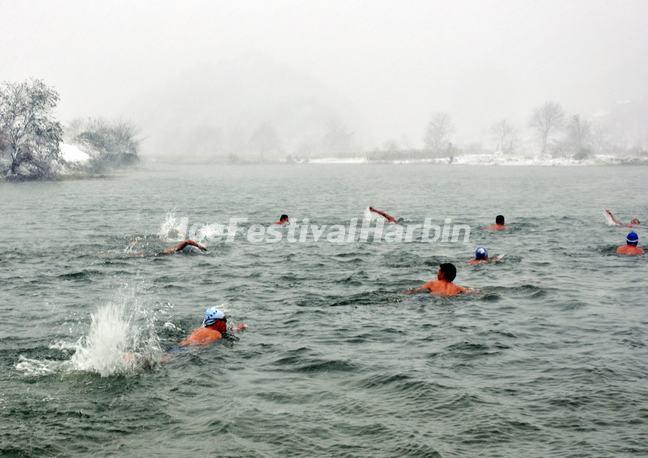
point(547, 120)
point(579, 137)
point(31, 135)
point(505, 136)
point(437, 132)
point(265, 140)
point(602, 141)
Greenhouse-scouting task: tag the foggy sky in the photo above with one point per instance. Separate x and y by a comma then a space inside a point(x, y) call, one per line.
point(380, 68)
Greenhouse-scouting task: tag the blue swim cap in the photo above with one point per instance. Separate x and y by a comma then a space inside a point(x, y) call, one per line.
point(481, 253)
point(212, 314)
point(632, 238)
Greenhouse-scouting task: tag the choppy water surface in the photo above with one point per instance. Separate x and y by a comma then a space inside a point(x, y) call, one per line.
point(550, 358)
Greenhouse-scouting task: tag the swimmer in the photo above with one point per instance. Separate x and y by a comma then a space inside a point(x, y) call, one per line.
point(631, 248)
point(481, 257)
point(283, 220)
point(385, 215)
point(182, 245)
point(499, 224)
point(214, 328)
point(633, 223)
point(443, 285)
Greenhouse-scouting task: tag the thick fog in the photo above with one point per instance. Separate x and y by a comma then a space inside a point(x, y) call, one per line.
point(272, 78)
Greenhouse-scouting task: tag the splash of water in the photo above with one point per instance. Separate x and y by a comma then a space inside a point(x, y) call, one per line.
point(36, 367)
point(207, 231)
point(369, 215)
point(121, 339)
point(173, 229)
point(136, 247)
point(115, 343)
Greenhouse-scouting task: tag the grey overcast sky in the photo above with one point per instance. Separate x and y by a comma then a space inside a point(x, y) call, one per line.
point(383, 66)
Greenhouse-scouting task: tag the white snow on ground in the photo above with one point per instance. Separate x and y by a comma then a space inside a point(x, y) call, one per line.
point(501, 159)
point(492, 159)
point(72, 153)
point(340, 160)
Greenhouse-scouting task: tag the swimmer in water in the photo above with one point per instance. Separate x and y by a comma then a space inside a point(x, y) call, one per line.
point(443, 285)
point(214, 328)
point(182, 245)
point(631, 248)
point(283, 220)
point(499, 224)
point(633, 223)
point(481, 257)
point(385, 215)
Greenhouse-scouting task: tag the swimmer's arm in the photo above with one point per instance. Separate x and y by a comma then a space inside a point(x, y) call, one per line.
point(414, 291)
point(426, 288)
point(614, 218)
point(469, 291)
point(170, 250)
point(385, 215)
point(180, 246)
point(196, 244)
point(174, 248)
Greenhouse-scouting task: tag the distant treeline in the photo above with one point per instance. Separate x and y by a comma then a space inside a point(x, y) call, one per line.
point(31, 138)
point(550, 132)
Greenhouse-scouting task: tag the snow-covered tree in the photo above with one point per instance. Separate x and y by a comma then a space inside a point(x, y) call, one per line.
point(31, 135)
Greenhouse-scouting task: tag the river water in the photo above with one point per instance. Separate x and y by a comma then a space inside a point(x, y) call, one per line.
point(548, 358)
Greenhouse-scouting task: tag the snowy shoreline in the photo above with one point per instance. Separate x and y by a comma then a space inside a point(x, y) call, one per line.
point(494, 159)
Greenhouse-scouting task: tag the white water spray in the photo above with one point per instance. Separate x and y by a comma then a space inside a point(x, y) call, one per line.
point(121, 340)
point(173, 229)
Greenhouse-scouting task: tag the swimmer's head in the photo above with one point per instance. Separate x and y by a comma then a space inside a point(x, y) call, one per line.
point(447, 271)
point(632, 238)
point(214, 317)
point(635, 221)
point(499, 219)
point(481, 253)
point(283, 218)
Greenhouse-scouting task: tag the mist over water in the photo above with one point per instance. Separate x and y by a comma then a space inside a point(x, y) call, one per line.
point(265, 80)
point(550, 357)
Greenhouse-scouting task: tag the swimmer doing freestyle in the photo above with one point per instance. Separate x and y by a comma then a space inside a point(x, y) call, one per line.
point(283, 220)
point(182, 245)
point(633, 222)
point(390, 219)
point(481, 257)
point(214, 328)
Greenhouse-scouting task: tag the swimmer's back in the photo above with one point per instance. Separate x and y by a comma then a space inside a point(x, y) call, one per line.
point(630, 250)
point(202, 336)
